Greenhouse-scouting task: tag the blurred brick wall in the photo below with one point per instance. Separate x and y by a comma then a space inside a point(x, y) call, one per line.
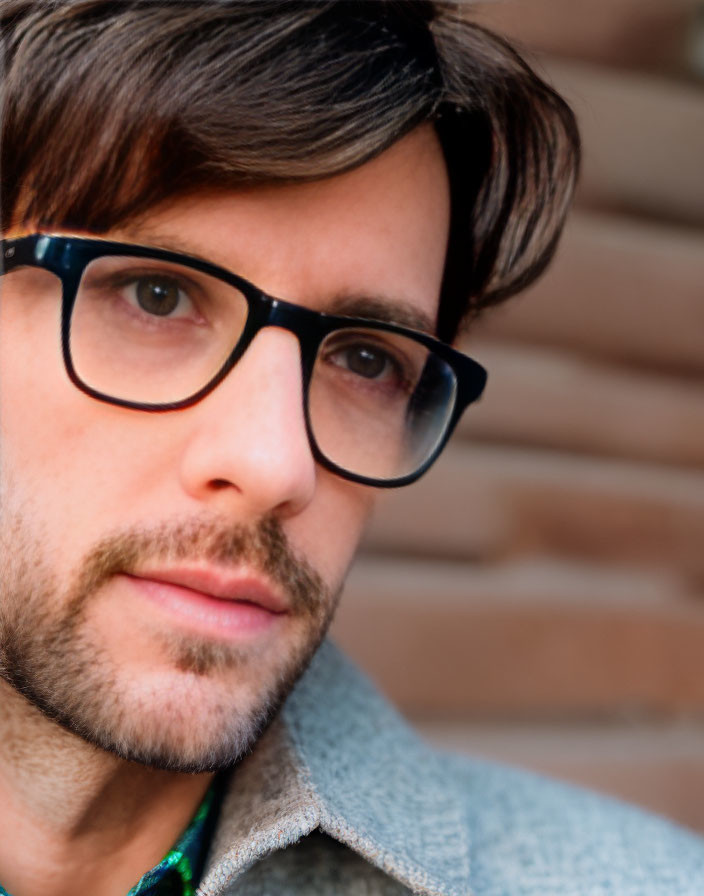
point(539, 596)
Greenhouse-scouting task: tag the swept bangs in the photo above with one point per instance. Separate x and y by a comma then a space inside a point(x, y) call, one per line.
point(112, 108)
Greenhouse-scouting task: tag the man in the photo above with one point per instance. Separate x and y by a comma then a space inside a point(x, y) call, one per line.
point(237, 239)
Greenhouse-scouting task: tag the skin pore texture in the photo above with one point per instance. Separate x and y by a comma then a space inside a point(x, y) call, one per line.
point(117, 699)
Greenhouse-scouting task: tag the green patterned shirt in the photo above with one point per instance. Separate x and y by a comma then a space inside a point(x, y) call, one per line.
point(179, 872)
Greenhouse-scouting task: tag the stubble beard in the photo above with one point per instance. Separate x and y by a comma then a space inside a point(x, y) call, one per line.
point(47, 657)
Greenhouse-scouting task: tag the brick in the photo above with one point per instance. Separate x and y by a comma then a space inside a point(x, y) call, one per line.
point(643, 139)
point(655, 765)
point(489, 502)
point(548, 397)
point(524, 640)
point(618, 290)
point(643, 34)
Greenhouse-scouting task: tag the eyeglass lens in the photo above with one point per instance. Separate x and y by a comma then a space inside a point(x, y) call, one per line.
point(154, 332)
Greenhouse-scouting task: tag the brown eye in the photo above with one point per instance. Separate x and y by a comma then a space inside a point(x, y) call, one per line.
point(157, 295)
point(366, 361)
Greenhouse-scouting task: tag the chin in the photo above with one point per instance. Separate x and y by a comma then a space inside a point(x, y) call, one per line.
point(197, 706)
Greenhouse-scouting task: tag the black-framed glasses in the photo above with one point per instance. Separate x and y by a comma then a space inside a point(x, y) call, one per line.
point(155, 330)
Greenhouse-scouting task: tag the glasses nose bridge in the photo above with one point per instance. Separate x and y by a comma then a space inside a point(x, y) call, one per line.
point(304, 323)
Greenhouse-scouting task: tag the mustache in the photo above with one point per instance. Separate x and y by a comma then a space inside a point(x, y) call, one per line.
point(263, 547)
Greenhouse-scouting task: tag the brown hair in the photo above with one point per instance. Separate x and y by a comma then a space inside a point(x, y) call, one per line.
point(110, 108)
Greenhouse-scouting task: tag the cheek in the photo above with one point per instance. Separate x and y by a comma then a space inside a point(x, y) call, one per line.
point(58, 445)
point(72, 460)
point(35, 393)
point(329, 530)
point(43, 443)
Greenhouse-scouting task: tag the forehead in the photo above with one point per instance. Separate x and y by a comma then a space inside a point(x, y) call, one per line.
point(379, 230)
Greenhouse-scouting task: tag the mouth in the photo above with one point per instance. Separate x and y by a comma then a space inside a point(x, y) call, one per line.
point(211, 602)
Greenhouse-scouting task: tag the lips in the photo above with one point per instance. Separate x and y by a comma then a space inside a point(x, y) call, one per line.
point(231, 607)
point(242, 587)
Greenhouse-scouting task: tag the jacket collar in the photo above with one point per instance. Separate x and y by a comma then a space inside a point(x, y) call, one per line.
point(340, 759)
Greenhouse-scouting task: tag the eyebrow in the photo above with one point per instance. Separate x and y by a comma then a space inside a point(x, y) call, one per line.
point(386, 310)
point(378, 308)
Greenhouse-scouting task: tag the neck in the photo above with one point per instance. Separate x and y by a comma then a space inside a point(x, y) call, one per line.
point(77, 819)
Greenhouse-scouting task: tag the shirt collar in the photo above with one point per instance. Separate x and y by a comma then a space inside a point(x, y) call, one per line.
point(340, 759)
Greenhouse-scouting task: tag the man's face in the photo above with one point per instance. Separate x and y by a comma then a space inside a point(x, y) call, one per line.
point(168, 575)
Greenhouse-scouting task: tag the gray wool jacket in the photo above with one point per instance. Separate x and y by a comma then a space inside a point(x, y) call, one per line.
point(340, 798)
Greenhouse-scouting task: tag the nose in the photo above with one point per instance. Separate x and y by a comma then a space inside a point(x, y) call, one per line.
point(248, 453)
